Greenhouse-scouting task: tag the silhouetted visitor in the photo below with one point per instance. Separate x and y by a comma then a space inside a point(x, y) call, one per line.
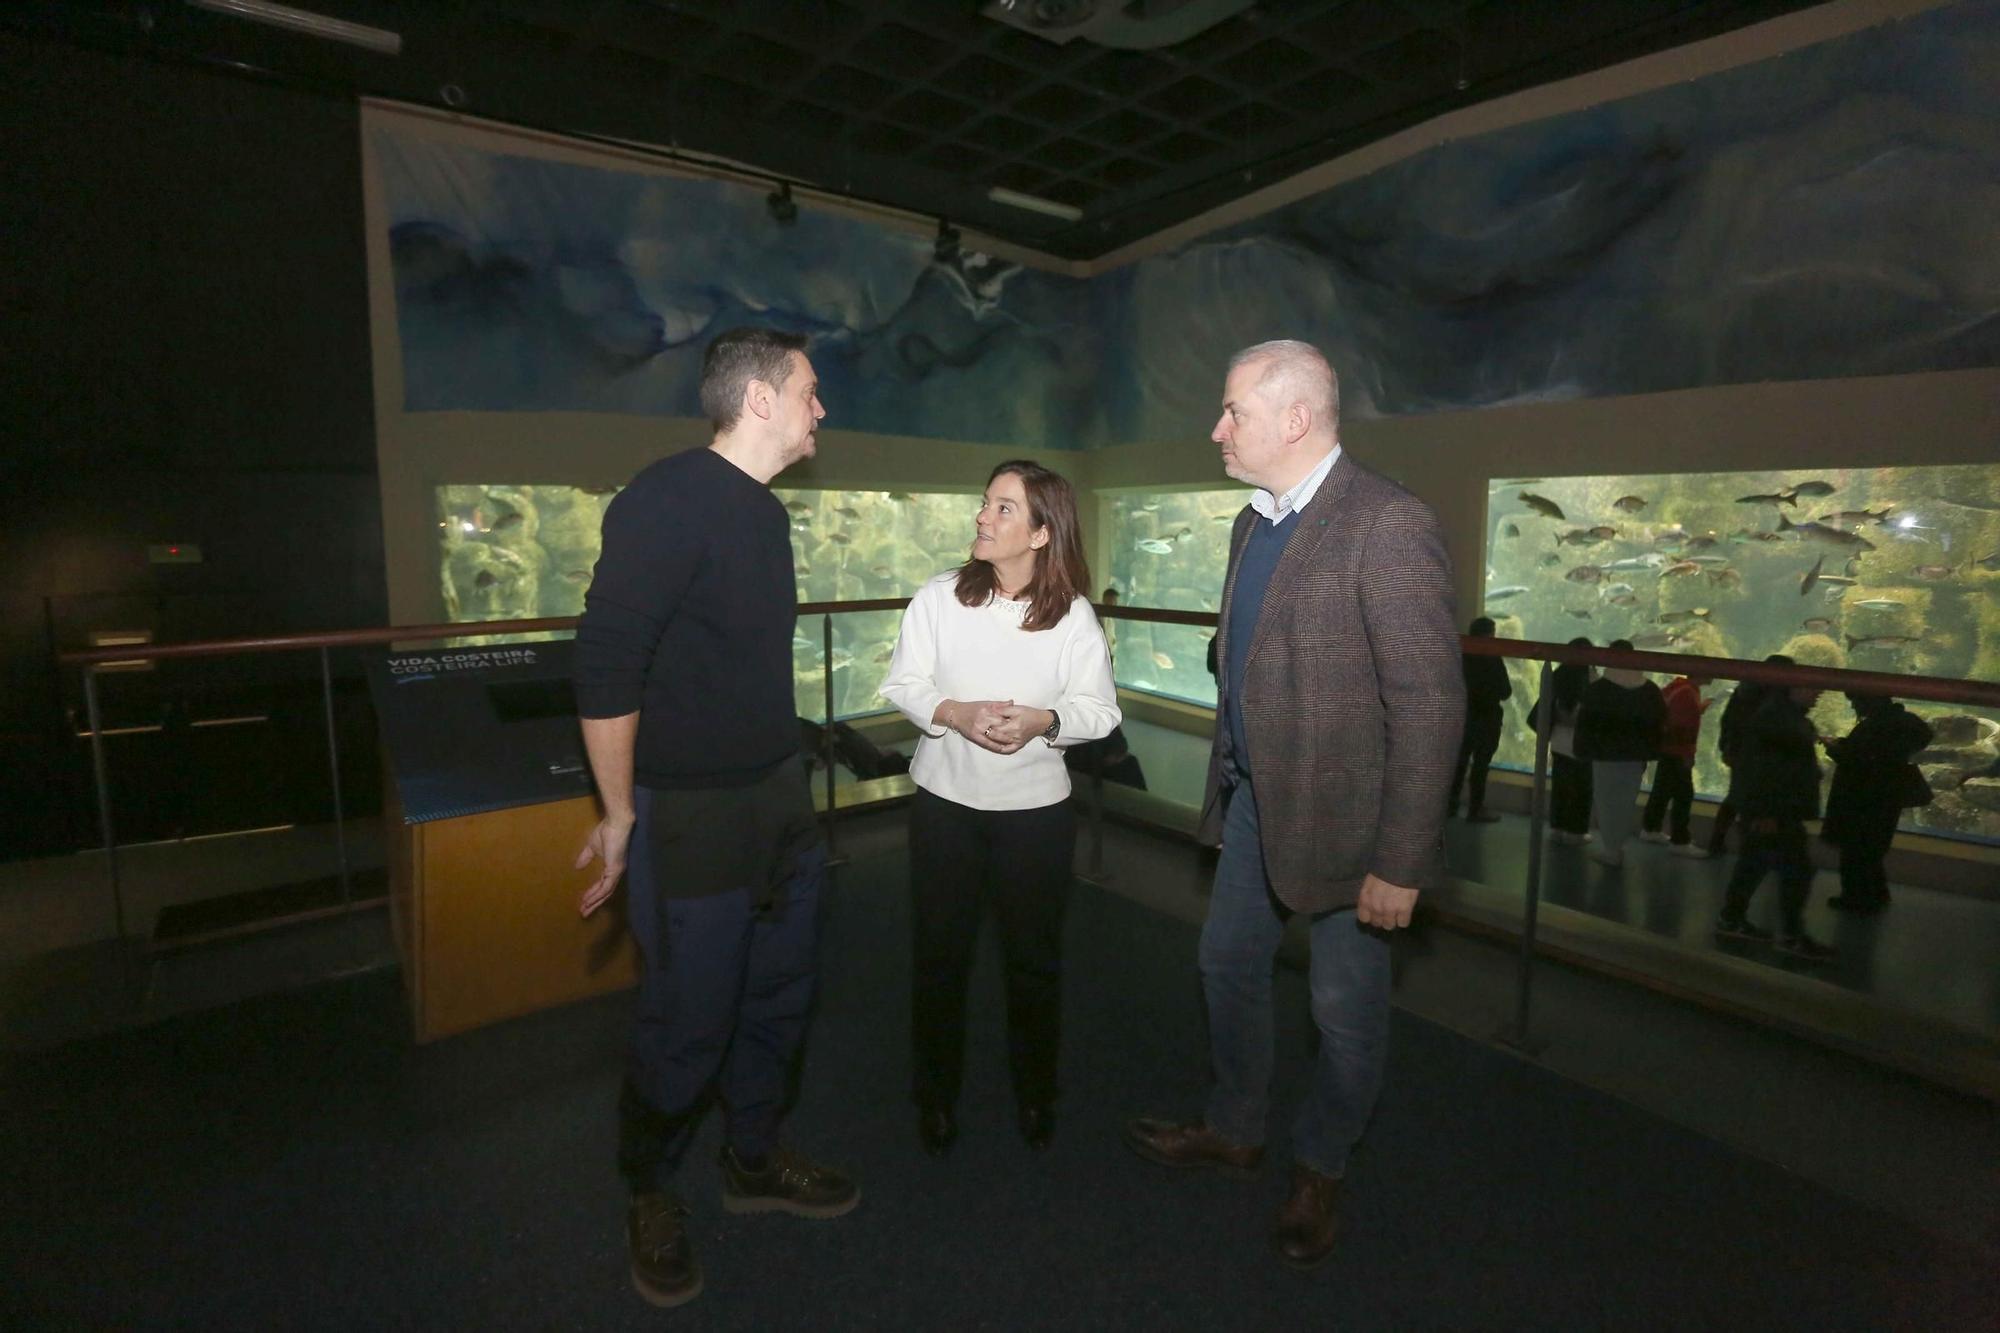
point(1618, 731)
point(1742, 702)
point(1672, 799)
point(1569, 776)
point(1486, 689)
point(1774, 788)
point(1874, 781)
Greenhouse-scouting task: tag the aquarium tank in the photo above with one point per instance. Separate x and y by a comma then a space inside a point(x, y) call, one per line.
point(1168, 549)
point(523, 552)
point(1886, 569)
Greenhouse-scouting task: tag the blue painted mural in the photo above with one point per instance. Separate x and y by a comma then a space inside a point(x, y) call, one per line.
point(1827, 213)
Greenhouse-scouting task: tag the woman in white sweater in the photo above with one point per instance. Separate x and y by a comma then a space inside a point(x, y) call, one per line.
point(1000, 663)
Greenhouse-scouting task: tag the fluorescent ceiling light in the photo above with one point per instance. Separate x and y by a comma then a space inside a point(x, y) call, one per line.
point(307, 22)
point(999, 194)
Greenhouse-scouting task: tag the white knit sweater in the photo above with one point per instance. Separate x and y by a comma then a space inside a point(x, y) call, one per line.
point(947, 650)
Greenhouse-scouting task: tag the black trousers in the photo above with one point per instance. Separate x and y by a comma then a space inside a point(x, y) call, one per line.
point(1673, 791)
point(1781, 848)
point(960, 858)
point(1864, 846)
point(1569, 794)
point(1475, 756)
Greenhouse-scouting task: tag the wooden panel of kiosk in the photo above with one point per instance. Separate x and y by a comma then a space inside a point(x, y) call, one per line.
point(486, 921)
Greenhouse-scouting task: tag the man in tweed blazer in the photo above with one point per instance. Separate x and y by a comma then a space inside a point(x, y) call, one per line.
point(1339, 717)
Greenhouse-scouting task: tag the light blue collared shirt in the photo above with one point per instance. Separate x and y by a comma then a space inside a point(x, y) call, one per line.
point(1274, 508)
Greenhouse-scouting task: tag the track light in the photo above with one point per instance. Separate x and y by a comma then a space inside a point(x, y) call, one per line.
point(307, 22)
point(784, 209)
point(945, 249)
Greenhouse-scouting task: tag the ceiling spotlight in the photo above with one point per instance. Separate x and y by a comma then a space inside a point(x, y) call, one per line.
point(945, 249)
point(1034, 203)
point(784, 209)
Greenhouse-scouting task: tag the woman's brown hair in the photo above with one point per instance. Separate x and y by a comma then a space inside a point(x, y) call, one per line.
point(1061, 573)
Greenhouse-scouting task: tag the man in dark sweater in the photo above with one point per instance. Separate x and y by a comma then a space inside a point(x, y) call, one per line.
point(1486, 689)
point(684, 685)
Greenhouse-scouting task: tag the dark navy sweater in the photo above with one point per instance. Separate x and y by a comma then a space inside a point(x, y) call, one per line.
point(689, 623)
point(1261, 552)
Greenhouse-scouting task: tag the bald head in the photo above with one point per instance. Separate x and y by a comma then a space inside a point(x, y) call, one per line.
point(1291, 373)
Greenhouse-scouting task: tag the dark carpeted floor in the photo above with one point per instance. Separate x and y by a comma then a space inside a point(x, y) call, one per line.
point(295, 1162)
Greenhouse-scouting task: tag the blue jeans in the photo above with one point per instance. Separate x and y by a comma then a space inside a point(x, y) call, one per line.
point(725, 989)
point(1350, 1006)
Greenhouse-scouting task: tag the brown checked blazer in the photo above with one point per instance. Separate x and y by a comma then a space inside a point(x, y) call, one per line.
point(1353, 697)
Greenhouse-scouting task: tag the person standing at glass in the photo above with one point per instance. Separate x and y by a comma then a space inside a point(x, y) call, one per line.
point(1671, 803)
point(1341, 709)
point(1569, 776)
point(1487, 688)
point(1774, 787)
point(1000, 663)
point(1872, 782)
point(1618, 731)
point(684, 688)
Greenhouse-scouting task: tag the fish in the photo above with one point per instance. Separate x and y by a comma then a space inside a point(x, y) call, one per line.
point(1708, 561)
point(600, 490)
point(1817, 624)
point(847, 511)
point(1774, 500)
point(1660, 640)
point(1650, 560)
point(1935, 571)
point(1628, 504)
point(1702, 543)
point(1181, 535)
point(502, 524)
point(576, 576)
point(1547, 508)
point(1878, 641)
point(882, 654)
point(882, 571)
point(1724, 578)
point(1624, 599)
point(900, 497)
point(1581, 613)
point(1585, 574)
point(1682, 617)
point(1614, 589)
point(1681, 567)
point(1501, 594)
point(1814, 488)
point(1670, 536)
point(1521, 481)
point(1604, 532)
point(1859, 515)
point(1154, 546)
point(840, 539)
point(1989, 562)
point(1511, 530)
point(1550, 561)
point(842, 659)
point(801, 642)
point(1879, 604)
point(1163, 662)
point(1149, 506)
point(1224, 518)
point(803, 570)
point(1767, 537)
point(798, 507)
point(1811, 579)
point(484, 579)
point(1742, 535)
point(1838, 581)
point(1578, 537)
point(1820, 532)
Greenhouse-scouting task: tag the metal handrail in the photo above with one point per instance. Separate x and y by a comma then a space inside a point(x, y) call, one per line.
point(1928, 688)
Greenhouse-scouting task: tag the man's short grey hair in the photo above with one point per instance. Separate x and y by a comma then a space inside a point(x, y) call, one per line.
point(737, 357)
point(1296, 372)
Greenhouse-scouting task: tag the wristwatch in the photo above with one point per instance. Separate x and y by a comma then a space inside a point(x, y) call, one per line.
point(1055, 727)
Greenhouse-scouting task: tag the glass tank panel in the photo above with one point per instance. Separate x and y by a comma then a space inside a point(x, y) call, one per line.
point(520, 552)
point(1886, 569)
point(1169, 549)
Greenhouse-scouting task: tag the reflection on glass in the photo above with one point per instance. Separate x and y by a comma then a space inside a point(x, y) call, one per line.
point(1169, 549)
point(520, 552)
point(1888, 569)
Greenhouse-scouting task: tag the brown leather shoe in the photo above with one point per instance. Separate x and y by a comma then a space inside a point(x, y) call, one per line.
point(1173, 1144)
point(1309, 1223)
